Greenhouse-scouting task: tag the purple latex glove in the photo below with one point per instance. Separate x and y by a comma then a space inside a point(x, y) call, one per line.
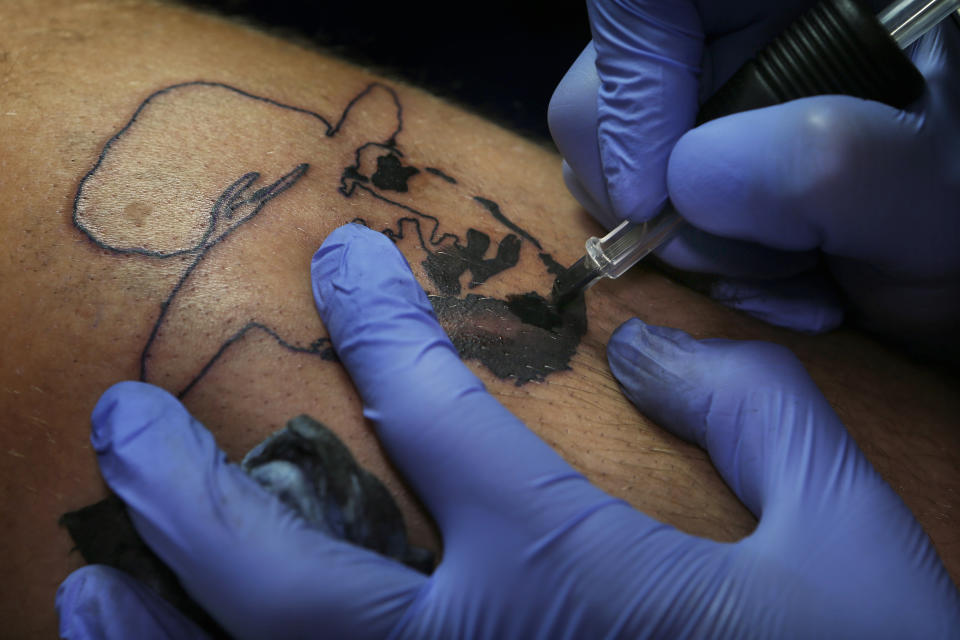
point(530, 548)
point(871, 188)
point(103, 603)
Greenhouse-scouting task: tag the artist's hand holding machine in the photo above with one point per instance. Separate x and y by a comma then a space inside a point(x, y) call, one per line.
point(530, 548)
point(866, 189)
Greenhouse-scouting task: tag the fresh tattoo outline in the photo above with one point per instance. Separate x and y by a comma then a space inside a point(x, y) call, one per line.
point(378, 170)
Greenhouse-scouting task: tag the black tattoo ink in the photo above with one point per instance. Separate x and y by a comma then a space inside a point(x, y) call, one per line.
point(440, 174)
point(494, 210)
point(351, 174)
point(523, 339)
point(391, 174)
point(533, 309)
point(446, 265)
point(553, 267)
point(377, 169)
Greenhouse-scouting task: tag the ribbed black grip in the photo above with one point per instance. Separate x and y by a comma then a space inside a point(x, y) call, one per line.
point(838, 47)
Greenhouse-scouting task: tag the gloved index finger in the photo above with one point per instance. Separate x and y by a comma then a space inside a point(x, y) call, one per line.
point(453, 441)
point(648, 60)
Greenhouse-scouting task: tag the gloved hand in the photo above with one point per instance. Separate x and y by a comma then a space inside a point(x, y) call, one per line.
point(872, 188)
point(531, 548)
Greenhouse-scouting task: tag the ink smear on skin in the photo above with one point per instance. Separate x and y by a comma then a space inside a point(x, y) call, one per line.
point(391, 174)
point(523, 338)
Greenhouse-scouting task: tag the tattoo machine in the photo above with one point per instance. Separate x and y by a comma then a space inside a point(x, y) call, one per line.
point(838, 47)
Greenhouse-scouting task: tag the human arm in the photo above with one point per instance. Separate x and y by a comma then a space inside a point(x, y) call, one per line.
point(77, 317)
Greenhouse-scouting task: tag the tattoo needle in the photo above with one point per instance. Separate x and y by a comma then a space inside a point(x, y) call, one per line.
point(838, 47)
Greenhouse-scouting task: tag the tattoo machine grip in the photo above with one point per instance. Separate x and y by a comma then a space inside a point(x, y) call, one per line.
point(838, 47)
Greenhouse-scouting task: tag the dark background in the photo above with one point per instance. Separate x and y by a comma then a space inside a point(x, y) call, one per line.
point(501, 59)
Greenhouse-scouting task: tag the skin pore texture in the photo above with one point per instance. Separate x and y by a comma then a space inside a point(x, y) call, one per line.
point(165, 178)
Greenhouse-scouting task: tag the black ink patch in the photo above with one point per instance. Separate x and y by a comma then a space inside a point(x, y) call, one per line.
point(391, 175)
point(448, 263)
point(351, 173)
point(531, 308)
point(523, 339)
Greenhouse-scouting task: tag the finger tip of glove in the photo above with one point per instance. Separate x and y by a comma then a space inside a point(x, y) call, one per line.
point(636, 344)
point(82, 593)
point(98, 601)
point(335, 250)
point(73, 599)
point(352, 253)
point(125, 408)
point(351, 259)
point(331, 249)
point(799, 304)
point(635, 328)
point(658, 369)
point(624, 335)
point(359, 275)
point(73, 588)
point(600, 212)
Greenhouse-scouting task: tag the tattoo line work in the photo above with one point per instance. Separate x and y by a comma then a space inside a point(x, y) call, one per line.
point(522, 338)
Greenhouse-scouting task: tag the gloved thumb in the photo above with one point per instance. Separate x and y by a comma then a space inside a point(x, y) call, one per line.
point(829, 525)
point(768, 429)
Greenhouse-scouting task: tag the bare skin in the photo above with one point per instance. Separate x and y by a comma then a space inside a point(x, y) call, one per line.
point(123, 261)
